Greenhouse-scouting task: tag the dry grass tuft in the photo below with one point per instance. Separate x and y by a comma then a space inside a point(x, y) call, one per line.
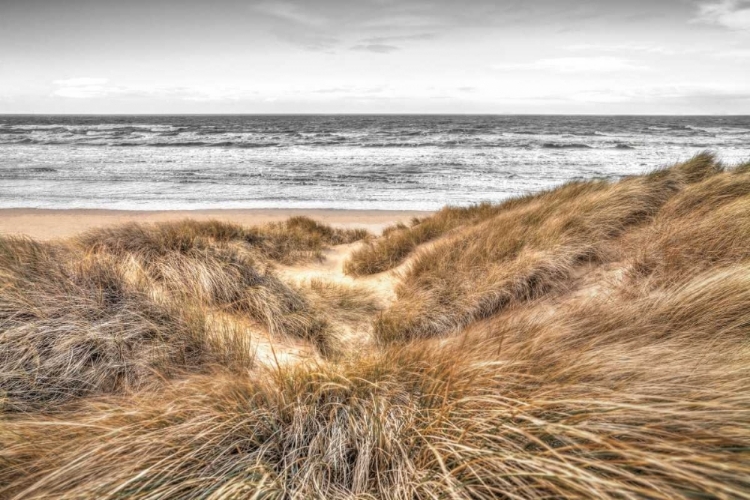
point(296, 239)
point(226, 266)
point(71, 325)
point(699, 168)
point(348, 304)
point(399, 241)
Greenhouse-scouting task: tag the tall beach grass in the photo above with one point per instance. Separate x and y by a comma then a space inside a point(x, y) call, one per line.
point(592, 341)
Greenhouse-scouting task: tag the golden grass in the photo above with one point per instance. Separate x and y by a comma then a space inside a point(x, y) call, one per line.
point(296, 239)
point(561, 408)
point(228, 266)
point(517, 255)
point(398, 241)
point(589, 341)
point(534, 244)
point(72, 326)
point(349, 304)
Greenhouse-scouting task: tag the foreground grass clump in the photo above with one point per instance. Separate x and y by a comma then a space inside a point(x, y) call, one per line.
point(589, 341)
point(586, 405)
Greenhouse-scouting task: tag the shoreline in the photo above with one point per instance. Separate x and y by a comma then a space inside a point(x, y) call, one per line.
point(47, 224)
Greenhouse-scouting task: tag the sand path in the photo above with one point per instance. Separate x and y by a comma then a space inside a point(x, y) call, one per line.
point(273, 351)
point(331, 269)
point(381, 287)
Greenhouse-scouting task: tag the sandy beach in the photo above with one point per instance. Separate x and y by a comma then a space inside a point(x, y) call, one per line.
point(44, 224)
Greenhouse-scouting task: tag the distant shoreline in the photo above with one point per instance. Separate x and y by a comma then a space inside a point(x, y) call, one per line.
point(46, 224)
point(407, 114)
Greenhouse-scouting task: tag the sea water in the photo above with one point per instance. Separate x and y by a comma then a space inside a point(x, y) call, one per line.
point(335, 161)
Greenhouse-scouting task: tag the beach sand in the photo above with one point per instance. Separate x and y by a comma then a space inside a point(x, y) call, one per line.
point(47, 224)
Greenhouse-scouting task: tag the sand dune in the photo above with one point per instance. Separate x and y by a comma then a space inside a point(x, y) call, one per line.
point(587, 341)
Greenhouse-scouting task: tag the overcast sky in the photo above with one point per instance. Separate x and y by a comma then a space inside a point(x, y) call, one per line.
point(375, 56)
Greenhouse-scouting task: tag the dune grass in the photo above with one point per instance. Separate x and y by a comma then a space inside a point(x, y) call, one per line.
point(294, 240)
point(585, 405)
point(228, 266)
point(398, 241)
point(534, 245)
point(120, 307)
point(590, 341)
point(519, 254)
point(705, 226)
point(70, 325)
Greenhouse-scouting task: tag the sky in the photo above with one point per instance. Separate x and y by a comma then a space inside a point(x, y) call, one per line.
point(375, 56)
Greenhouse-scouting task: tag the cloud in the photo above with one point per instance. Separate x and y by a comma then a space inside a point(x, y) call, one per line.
point(97, 88)
point(309, 41)
point(81, 88)
point(733, 54)
point(299, 25)
point(386, 44)
point(688, 94)
point(289, 11)
point(377, 48)
point(79, 82)
point(399, 38)
point(645, 47)
point(599, 64)
point(80, 92)
point(732, 14)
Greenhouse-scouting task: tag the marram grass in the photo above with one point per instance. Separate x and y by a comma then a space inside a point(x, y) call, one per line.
point(589, 341)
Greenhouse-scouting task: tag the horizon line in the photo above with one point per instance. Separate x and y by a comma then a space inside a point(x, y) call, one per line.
point(386, 114)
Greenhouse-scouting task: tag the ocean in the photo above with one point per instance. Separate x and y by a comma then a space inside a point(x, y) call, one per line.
point(334, 161)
